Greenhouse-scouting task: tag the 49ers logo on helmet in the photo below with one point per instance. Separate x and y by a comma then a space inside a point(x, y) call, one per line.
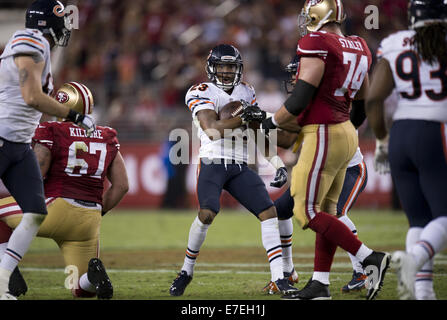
point(314, 2)
point(62, 97)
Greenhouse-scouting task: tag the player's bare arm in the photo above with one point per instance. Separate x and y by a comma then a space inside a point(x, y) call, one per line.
point(43, 155)
point(309, 78)
point(382, 85)
point(214, 127)
point(117, 176)
point(358, 114)
point(30, 74)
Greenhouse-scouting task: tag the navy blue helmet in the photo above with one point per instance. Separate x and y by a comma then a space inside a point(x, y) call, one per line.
point(225, 54)
point(49, 17)
point(424, 12)
point(291, 70)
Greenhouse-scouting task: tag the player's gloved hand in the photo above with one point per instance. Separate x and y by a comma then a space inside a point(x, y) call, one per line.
point(381, 163)
point(280, 178)
point(251, 112)
point(267, 125)
point(83, 120)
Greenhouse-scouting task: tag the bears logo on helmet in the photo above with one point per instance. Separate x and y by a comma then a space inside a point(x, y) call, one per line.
point(76, 96)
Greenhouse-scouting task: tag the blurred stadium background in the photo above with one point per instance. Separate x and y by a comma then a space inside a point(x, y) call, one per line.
point(140, 57)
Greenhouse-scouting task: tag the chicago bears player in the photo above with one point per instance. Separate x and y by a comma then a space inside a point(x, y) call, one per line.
point(223, 163)
point(414, 62)
point(333, 73)
point(74, 167)
point(25, 81)
point(354, 183)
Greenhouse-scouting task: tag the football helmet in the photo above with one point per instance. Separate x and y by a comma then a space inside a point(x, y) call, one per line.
point(316, 13)
point(49, 17)
point(291, 70)
point(76, 96)
point(424, 12)
point(219, 57)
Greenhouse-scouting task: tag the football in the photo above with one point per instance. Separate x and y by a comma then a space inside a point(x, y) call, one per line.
point(230, 110)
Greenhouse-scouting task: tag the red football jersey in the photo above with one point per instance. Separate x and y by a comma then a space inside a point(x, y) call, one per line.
point(79, 163)
point(347, 61)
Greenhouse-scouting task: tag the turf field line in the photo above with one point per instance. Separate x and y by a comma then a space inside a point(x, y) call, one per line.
point(439, 256)
point(31, 269)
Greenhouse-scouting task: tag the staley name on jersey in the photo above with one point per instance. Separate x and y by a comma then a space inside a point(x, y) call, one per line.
point(79, 132)
point(356, 45)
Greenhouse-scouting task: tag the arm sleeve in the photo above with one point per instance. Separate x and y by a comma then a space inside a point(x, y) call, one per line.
point(313, 45)
point(27, 44)
point(197, 100)
point(44, 135)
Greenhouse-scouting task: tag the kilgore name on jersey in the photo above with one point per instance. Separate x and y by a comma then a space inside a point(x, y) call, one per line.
point(79, 132)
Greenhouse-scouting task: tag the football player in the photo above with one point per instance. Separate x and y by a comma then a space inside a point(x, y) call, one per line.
point(333, 73)
point(414, 62)
point(223, 163)
point(354, 183)
point(75, 166)
point(25, 81)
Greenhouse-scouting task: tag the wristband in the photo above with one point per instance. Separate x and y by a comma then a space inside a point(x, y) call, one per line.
point(276, 162)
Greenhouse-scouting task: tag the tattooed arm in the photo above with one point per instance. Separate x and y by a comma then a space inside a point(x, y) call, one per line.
point(30, 73)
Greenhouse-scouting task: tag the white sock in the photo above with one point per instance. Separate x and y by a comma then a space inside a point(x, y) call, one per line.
point(363, 252)
point(323, 277)
point(272, 244)
point(197, 235)
point(20, 240)
point(424, 277)
point(84, 284)
point(285, 233)
point(433, 239)
point(356, 265)
point(3, 247)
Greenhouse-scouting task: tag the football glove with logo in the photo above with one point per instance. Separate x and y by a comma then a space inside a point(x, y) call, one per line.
point(252, 112)
point(381, 163)
point(83, 120)
point(280, 178)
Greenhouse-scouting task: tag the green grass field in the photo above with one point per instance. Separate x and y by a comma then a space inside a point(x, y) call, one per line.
point(143, 251)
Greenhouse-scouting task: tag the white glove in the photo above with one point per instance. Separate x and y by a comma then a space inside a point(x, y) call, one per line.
point(381, 163)
point(88, 123)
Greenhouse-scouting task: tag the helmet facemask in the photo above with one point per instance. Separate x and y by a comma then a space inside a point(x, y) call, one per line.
point(303, 21)
point(62, 35)
point(225, 75)
point(291, 70)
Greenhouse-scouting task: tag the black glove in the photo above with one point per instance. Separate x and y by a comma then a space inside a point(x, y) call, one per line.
point(252, 112)
point(83, 120)
point(280, 178)
point(266, 126)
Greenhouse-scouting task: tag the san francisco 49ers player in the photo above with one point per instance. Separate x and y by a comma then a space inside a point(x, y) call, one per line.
point(74, 167)
point(333, 73)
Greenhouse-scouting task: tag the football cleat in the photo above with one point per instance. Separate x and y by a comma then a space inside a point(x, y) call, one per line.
point(292, 277)
point(8, 296)
point(406, 269)
point(357, 282)
point(283, 286)
point(179, 284)
point(17, 284)
point(375, 266)
point(313, 290)
point(97, 276)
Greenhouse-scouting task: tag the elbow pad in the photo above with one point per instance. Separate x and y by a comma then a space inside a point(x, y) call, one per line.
point(358, 114)
point(300, 98)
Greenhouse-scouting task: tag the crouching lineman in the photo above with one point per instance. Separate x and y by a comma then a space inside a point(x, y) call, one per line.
point(224, 167)
point(74, 167)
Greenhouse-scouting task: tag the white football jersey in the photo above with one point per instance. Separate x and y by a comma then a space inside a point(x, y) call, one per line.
point(421, 87)
point(18, 120)
point(207, 96)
